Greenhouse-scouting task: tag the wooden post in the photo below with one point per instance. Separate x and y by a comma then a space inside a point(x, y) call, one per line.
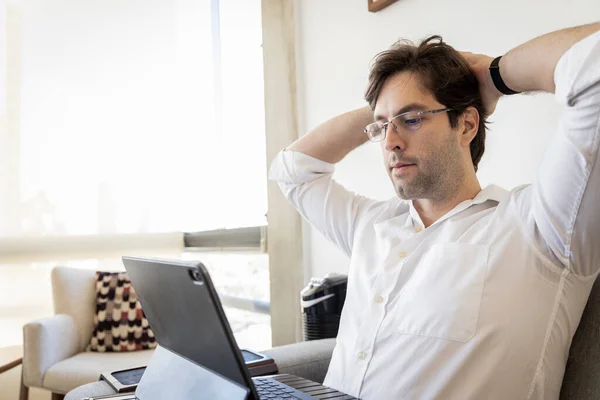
point(284, 231)
point(24, 391)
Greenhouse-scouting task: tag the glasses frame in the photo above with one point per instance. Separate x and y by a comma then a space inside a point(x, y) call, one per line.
point(383, 125)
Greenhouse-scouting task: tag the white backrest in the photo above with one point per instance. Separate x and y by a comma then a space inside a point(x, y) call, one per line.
point(74, 294)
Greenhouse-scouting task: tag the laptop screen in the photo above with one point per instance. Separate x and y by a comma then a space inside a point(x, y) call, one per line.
point(185, 315)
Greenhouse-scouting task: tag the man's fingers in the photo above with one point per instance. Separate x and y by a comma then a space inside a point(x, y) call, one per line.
point(468, 56)
point(474, 59)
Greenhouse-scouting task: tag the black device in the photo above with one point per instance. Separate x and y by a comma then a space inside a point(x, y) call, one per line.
point(322, 301)
point(186, 316)
point(125, 380)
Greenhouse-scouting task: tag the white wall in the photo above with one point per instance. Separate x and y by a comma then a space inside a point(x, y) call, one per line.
point(338, 38)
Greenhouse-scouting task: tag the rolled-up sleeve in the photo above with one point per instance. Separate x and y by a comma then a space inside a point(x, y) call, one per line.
point(308, 184)
point(566, 194)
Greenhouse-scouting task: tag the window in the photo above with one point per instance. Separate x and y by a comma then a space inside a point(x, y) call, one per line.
point(124, 124)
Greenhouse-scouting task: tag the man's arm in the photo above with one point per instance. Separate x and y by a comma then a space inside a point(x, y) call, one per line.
point(530, 66)
point(334, 139)
point(560, 209)
point(305, 169)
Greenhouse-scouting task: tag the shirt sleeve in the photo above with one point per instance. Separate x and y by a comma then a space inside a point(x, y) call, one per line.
point(566, 194)
point(308, 184)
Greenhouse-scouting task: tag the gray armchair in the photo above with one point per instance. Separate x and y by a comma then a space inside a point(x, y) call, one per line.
point(582, 376)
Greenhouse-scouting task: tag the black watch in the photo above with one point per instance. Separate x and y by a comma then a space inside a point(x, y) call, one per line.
point(497, 79)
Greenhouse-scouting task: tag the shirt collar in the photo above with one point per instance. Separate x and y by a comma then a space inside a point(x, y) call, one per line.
point(491, 192)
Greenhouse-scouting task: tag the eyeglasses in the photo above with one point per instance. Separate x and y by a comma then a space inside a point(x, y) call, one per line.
point(409, 121)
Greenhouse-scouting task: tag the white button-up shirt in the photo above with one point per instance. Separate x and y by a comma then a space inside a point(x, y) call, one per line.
point(482, 304)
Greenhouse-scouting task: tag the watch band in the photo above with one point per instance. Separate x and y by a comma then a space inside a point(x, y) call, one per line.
point(497, 79)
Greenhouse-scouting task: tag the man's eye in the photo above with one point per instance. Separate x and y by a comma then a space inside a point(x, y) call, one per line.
point(411, 121)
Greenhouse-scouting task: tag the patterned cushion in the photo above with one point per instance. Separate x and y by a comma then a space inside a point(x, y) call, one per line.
point(119, 323)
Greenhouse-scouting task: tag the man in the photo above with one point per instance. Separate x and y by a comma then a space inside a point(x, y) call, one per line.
point(464, 292)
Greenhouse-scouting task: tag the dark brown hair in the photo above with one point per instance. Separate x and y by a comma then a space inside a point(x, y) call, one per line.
point(443, 72)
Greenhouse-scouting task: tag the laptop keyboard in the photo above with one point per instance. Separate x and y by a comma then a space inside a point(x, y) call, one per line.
point(286, 386)
point(271, 389)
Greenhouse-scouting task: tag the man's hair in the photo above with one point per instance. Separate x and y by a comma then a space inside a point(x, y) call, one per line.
point(443, 72)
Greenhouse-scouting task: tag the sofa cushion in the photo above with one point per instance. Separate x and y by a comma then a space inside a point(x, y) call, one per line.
point(100, 388)
point(309, 360)
point(86, 367)
point(119, 321)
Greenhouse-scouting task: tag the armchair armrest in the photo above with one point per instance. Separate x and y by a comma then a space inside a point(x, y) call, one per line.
point(309, 360)
point(45, 342)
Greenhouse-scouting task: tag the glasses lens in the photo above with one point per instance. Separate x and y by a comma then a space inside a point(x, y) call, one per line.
point(375, 132)
point(410, 121)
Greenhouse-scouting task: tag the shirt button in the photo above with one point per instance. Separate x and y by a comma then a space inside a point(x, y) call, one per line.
point(378, 299)
point(418, 229)
point(362, 355)
point(402, 254)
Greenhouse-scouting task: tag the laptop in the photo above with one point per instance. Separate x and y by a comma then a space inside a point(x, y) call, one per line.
point(188, 321)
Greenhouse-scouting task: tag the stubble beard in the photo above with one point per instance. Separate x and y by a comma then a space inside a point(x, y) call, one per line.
point(439, 175)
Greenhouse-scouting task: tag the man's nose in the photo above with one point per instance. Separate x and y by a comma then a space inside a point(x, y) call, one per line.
point(394, 140)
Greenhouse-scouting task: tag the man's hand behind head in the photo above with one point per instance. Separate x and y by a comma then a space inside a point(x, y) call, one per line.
point(480, 64)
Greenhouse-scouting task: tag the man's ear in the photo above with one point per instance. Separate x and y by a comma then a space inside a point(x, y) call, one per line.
point(470, 126)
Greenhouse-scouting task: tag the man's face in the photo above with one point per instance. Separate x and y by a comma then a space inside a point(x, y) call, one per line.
point(422, 164)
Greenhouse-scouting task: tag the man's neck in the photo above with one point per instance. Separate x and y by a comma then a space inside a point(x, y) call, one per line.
point(432, 210)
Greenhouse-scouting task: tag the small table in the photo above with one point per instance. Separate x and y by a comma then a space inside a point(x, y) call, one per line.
point(10, 357)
